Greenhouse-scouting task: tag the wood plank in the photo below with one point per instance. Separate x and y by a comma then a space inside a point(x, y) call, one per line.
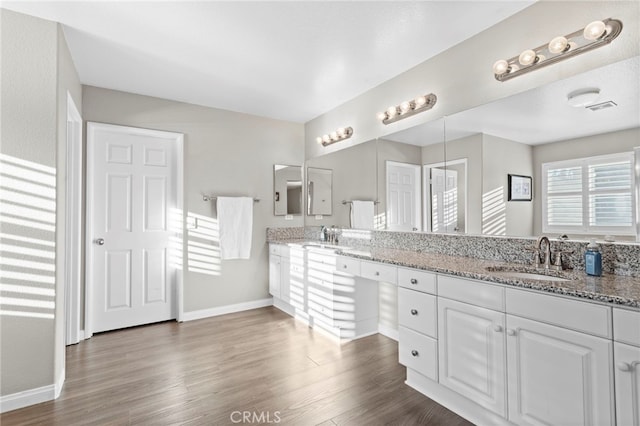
point(260, 361)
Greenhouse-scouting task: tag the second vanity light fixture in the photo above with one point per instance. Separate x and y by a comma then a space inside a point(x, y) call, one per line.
point(594, 35)
point(336, 136)
point(408, 108)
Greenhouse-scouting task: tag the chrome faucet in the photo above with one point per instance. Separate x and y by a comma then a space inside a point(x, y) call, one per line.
point(547, 252)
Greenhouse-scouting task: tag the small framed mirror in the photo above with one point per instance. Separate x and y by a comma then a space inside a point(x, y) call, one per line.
point(287, 190)
point(319, 191)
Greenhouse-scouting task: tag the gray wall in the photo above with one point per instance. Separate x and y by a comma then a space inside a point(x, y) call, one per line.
point(607, 143)
point(226, 153)
point(29, 133)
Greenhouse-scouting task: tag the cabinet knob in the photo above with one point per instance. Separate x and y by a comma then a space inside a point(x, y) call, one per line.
point(414, 312)
point(623, 366)
point(497, 328)
point(414, 281)
point(511, 332)
point(414, 353)
point(377, 273)
point(344, 266)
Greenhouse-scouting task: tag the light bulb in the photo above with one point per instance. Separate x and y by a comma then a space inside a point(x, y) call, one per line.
point(341, 132)
point(558, 45)
point(594, 30)
point(405, 107)
point(382, 116)
point(527, 57)
point(392, 111)
point(319, 139)
point(500, 67)
point(326, 139)
point(419, 101)
point(334, 136)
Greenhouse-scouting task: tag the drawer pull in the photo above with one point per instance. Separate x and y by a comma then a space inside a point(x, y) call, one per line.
point(414, 312)
point(497, 328)
point(377, 273)
point(414, 353)
point(344, 266)
point(511, 332)
point(623, 366)
point(414, 281)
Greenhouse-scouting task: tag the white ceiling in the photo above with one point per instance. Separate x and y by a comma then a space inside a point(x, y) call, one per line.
point(289, 60)
point(542, 115)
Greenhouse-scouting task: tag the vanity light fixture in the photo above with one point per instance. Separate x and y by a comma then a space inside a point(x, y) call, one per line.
point(594, 35)
point(408, 108)
point(336, 136)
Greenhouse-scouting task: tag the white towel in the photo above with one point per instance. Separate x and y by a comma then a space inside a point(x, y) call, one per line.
point(235, 222)
point(362, 214)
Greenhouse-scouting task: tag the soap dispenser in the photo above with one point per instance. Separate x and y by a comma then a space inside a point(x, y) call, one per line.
point(593, 259)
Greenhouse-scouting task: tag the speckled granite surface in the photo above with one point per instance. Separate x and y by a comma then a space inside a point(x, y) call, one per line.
point(291, 233)
point(619, 290)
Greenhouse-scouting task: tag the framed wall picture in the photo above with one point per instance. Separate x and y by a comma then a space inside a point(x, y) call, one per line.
point(520, 188)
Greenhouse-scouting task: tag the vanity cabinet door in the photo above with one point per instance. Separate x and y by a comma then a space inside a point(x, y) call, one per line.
point(274, 275)
point(558, 376)
point(627, 373)
point(471, 352)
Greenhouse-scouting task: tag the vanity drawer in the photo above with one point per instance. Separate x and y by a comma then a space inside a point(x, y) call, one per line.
point(417, 280)
point(626, 326)
point(315, 258)
point(379, 272)
point(573, 314)
point(418, 352)
point(278, 249)
point(471, 292)
point(348, 265)
point(418, 311)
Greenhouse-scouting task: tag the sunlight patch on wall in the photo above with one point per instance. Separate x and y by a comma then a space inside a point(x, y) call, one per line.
point(203, 245)
point(494, 212)
point(27, 238)
point(176, 226)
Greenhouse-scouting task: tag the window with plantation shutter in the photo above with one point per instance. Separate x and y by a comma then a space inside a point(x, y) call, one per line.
point(590, 195)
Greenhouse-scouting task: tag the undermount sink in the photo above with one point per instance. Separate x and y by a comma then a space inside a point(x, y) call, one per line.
point(543, 275)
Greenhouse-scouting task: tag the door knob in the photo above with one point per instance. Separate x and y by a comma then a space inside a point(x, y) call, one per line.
point(100, 241)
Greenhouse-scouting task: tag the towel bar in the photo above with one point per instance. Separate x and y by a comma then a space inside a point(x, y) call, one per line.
point(350, 201)
point(213, 198)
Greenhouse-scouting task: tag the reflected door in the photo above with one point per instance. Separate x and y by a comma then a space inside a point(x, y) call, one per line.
point(131, 191)
point(403, 195)
point(444, 200)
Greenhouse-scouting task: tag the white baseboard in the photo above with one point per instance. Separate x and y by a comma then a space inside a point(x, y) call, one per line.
point(59, 383)
point(229, 309)
point(26, 398)
point(387, 331)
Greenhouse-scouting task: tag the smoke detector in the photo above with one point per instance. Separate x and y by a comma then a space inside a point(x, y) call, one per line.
point(583, 97)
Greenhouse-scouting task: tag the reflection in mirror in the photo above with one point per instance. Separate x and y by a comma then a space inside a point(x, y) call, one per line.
point(354, 178)
point(287, 188)
point(537, 129)
point(404, 188)
point(319, 198)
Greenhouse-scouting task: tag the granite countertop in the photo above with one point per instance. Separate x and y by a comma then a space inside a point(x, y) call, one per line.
point(622, 291)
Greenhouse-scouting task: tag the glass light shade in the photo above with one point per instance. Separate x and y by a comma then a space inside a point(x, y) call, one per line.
point(319, 139)
point(341, 132)
point(594, 30)
point(405, 107)
point(527, 57)
point(419, 101)
point(326, 139)
point(392, 111)
point(381, 115)
point(500, 67)
point(334, 136)
point(558, 45)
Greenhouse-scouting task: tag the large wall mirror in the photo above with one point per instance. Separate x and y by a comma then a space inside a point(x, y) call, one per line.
point(287, 190)
point(465, 169)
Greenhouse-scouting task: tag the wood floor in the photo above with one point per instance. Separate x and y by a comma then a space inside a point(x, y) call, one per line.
point(211, 371)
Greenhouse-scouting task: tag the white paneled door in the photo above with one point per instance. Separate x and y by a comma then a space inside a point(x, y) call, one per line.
point(132, 195)
point(403, 197)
